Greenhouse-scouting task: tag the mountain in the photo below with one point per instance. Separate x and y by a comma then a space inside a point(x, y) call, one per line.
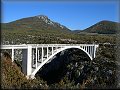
point(43, 24)
point(102, 27)
point(36, 23)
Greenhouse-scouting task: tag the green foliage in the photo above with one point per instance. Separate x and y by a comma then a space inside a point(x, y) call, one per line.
point(13, 78)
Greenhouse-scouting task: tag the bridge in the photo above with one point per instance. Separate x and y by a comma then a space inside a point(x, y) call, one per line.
point(34, 56)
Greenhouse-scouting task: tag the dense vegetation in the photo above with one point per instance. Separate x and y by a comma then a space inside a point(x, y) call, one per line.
point(40, 38)
point(13, 78)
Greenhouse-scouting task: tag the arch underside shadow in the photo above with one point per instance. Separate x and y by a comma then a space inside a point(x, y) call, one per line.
point(58, 51)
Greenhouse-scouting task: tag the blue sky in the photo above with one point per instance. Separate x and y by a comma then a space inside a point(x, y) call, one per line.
point(73, 14)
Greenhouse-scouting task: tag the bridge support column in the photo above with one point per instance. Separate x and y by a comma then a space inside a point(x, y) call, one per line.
point(12, 54)
point(52, 50)
point(94, 51)
point(38, 54)
point(42, 55)
point(27, 61)
point(90, 50)
point(47, 52)
point(36, 58)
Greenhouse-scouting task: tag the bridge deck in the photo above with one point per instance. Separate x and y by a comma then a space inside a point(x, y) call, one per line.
point(24, 46)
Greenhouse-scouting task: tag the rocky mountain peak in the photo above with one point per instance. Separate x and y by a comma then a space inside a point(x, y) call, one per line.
point(48, 21)
point(42, 16)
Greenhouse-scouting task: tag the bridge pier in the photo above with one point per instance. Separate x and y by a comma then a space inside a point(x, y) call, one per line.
point(12, 54)
point(47, 52)
point(42, 54)
point(27, 61)
point(36, 58)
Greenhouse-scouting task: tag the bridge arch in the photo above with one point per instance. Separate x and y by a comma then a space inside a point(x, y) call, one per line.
point(58, 51)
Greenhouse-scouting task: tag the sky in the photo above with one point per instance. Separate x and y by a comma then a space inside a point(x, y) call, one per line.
point(74, 14)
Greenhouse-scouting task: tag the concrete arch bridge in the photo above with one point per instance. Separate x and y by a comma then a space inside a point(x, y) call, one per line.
point(34, 56)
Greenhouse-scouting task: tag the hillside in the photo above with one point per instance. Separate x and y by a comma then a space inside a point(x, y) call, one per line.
point(13, 78)
point(39, 23)
point(103, 27)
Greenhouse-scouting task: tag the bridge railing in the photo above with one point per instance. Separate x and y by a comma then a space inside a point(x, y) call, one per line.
point(24, 46)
